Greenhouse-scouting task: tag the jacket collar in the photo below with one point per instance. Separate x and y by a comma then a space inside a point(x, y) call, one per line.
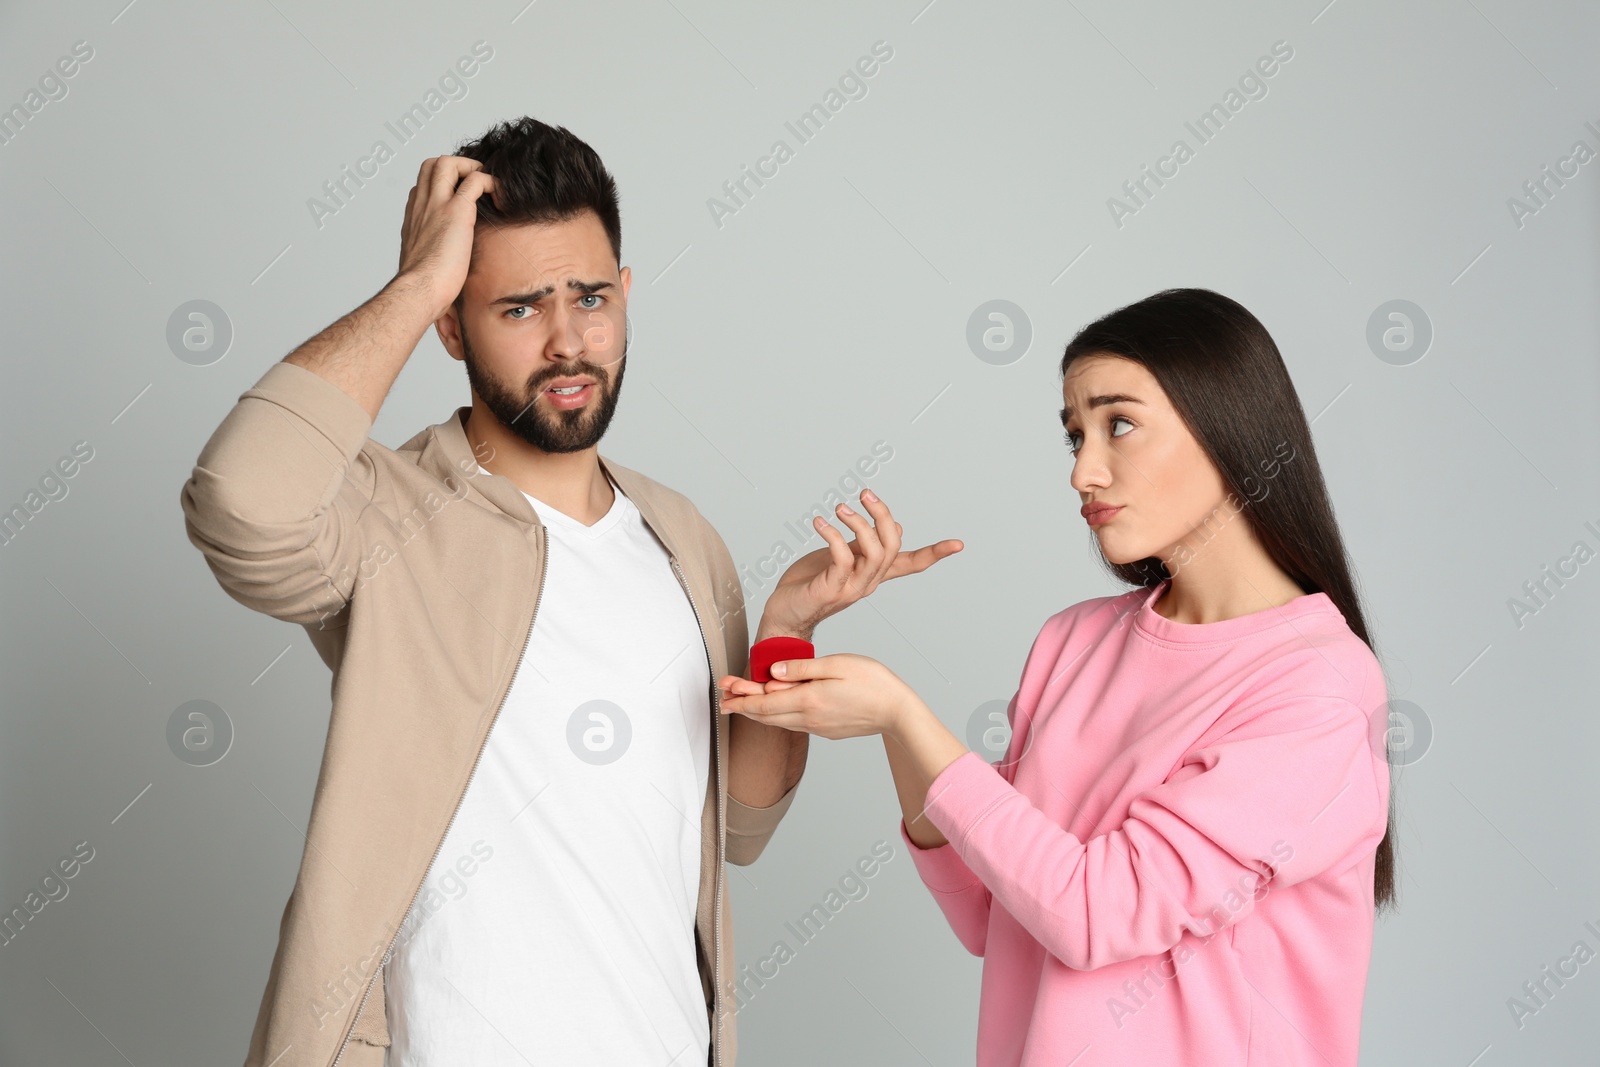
point(448, 454)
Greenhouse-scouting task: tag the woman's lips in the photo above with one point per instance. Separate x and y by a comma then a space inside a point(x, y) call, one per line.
point(1101, 515)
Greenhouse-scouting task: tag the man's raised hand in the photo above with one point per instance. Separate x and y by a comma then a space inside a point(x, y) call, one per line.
point(436, 234)
point(827, 581)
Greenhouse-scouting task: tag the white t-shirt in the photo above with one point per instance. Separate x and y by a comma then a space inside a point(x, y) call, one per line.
point(556, 925)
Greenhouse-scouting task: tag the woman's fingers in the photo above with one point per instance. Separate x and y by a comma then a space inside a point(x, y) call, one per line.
point(740, 687)
point(733, 685)
point(767, 699)
point(771, 712)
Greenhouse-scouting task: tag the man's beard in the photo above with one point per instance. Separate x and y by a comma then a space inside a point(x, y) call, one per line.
point(555, 430)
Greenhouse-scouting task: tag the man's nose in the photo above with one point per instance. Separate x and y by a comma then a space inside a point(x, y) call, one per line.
point(566, 340)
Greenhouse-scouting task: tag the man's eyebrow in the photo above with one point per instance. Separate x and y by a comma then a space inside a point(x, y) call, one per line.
point(1100, 402)
point(537, 295)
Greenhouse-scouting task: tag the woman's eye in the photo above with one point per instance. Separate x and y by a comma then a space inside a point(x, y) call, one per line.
point(1070, 438)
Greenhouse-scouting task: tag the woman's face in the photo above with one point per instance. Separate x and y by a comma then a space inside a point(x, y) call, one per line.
point(1132, 450)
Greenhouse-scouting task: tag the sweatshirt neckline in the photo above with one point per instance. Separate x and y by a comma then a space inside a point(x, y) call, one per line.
point(1208, 633)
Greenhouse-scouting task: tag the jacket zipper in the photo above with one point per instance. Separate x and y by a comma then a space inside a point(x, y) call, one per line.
point(544, 566)
point(716, 884)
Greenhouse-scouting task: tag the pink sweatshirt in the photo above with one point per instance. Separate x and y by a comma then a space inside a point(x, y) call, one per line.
point(1172, 863)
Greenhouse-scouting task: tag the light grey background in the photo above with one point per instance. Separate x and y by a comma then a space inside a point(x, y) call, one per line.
point(770, 353)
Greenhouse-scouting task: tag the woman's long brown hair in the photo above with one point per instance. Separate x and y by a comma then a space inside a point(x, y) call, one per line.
point(1225, 377)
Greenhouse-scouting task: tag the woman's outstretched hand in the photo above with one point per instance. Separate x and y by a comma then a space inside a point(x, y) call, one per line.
point(825, 582)
point(845, 695)
point(838, 696)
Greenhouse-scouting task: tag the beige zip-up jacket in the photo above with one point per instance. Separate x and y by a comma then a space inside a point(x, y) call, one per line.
point(417, 578)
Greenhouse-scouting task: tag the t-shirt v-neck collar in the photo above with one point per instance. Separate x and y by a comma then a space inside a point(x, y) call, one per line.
point(551, 515)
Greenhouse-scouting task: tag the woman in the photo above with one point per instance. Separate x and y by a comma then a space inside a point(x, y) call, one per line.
point(1178, 858)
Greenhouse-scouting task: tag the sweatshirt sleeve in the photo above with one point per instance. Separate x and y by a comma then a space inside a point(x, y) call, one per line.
point(275, 497)
point(960, 894)
point(1290, 791)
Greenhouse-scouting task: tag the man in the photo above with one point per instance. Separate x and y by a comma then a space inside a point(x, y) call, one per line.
point(504, 862)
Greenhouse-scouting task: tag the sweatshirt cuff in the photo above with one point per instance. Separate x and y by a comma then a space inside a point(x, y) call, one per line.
point(962, 794)
point(942, 870)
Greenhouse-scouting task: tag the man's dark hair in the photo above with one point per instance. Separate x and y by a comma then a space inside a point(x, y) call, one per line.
point(546, 174)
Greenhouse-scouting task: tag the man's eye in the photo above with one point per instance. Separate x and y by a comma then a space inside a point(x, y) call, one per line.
point(591, 296)
point(519, 307)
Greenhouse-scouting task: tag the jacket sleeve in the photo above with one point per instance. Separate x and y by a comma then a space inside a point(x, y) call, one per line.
point(749, 829)
point(275, 498)
point(1289, 792)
